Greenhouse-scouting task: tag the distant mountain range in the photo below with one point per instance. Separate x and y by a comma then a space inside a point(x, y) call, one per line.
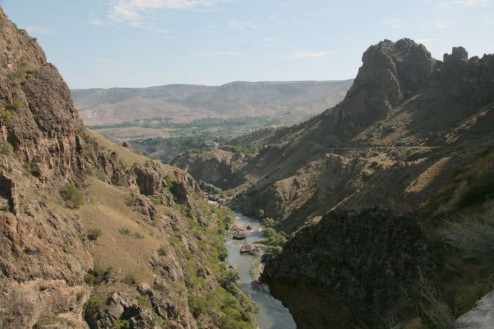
point(289, 102)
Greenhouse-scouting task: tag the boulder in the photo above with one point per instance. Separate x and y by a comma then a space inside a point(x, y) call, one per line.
point(240, 235)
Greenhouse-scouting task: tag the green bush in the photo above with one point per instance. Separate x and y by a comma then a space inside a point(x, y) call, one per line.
point(209, 188)
point(269, 222)
point(163, 250)
point(5, 116)
point(274, 238)
point(94, 233)
point(480, 191)
point(6, 148)
point(123, 324)
point(228, 279)
point(72, 196)
point(130, 279)
point(14, 105)
point(99, 275)
point(94, 304)
point(198, 305)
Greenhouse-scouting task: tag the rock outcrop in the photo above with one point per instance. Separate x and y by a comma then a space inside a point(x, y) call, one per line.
point(42, 260)
point(368, 262)
point(215, 167)
point(390, 73)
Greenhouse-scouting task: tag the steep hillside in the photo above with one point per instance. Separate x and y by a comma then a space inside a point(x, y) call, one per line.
point(91, 234)
point(406, 117)
point(414, 135)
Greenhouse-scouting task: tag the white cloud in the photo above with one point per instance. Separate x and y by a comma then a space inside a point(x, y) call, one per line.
point(471, 3)
point(135, 12)
point(447, 5)
point(40, 30)
point(269, 40)
point(241, 25)
point(309, 54)
point(394, 23)
point(219, 53)
point(443, 25)
point(97, 22)
point(487, 22)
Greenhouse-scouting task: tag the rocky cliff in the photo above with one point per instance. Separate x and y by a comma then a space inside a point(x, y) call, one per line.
point(368, 264)
point(92, 234)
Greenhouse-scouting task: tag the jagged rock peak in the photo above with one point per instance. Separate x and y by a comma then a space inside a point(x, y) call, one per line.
point(394, 69)
point(457, 54)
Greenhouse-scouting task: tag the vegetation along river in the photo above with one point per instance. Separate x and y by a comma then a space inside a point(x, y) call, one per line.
point(272, 314)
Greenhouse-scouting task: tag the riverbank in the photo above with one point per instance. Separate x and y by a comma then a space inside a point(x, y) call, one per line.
point(272, 314)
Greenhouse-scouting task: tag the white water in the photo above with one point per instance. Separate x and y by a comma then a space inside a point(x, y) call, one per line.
point(480, 317)
point(272, 314)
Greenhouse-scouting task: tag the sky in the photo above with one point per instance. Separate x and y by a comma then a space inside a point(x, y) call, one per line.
point(141, 43)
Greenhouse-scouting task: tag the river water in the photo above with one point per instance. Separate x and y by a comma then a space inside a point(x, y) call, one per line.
point(272, 314)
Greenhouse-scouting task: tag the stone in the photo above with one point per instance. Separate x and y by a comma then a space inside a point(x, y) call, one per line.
point(239, 235)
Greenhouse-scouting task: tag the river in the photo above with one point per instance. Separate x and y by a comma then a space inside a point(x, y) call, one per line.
point(272, 314)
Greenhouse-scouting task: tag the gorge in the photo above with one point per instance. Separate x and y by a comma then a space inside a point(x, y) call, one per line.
point(385, 201)
point(414, 137)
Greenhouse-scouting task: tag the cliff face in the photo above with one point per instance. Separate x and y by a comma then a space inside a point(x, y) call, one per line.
point(39, 119)
point(42, 259)
point(93, 235)
point(390, 73)
point(369, 263)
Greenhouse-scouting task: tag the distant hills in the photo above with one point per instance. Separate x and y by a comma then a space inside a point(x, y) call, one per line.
point(289, 102)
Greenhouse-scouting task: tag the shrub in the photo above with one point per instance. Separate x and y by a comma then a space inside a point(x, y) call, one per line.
point(72, 196)
point(156, 200)
point(124, 231)
point(46, 320)
point(274, 238)
point(130, 278)
point(229, 278)
point(94, 304)
point(123, 324)
point(14, 105)
point(6, 148)
point(474, 239)
point(5, 116)
point(94, 233)
point(480, 191)
point(209, 188)
point(198, 305)
point(99, 275)
point(269, 222)
point(163, 250)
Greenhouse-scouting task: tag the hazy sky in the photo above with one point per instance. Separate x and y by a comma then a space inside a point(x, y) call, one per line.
point(137, 43)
